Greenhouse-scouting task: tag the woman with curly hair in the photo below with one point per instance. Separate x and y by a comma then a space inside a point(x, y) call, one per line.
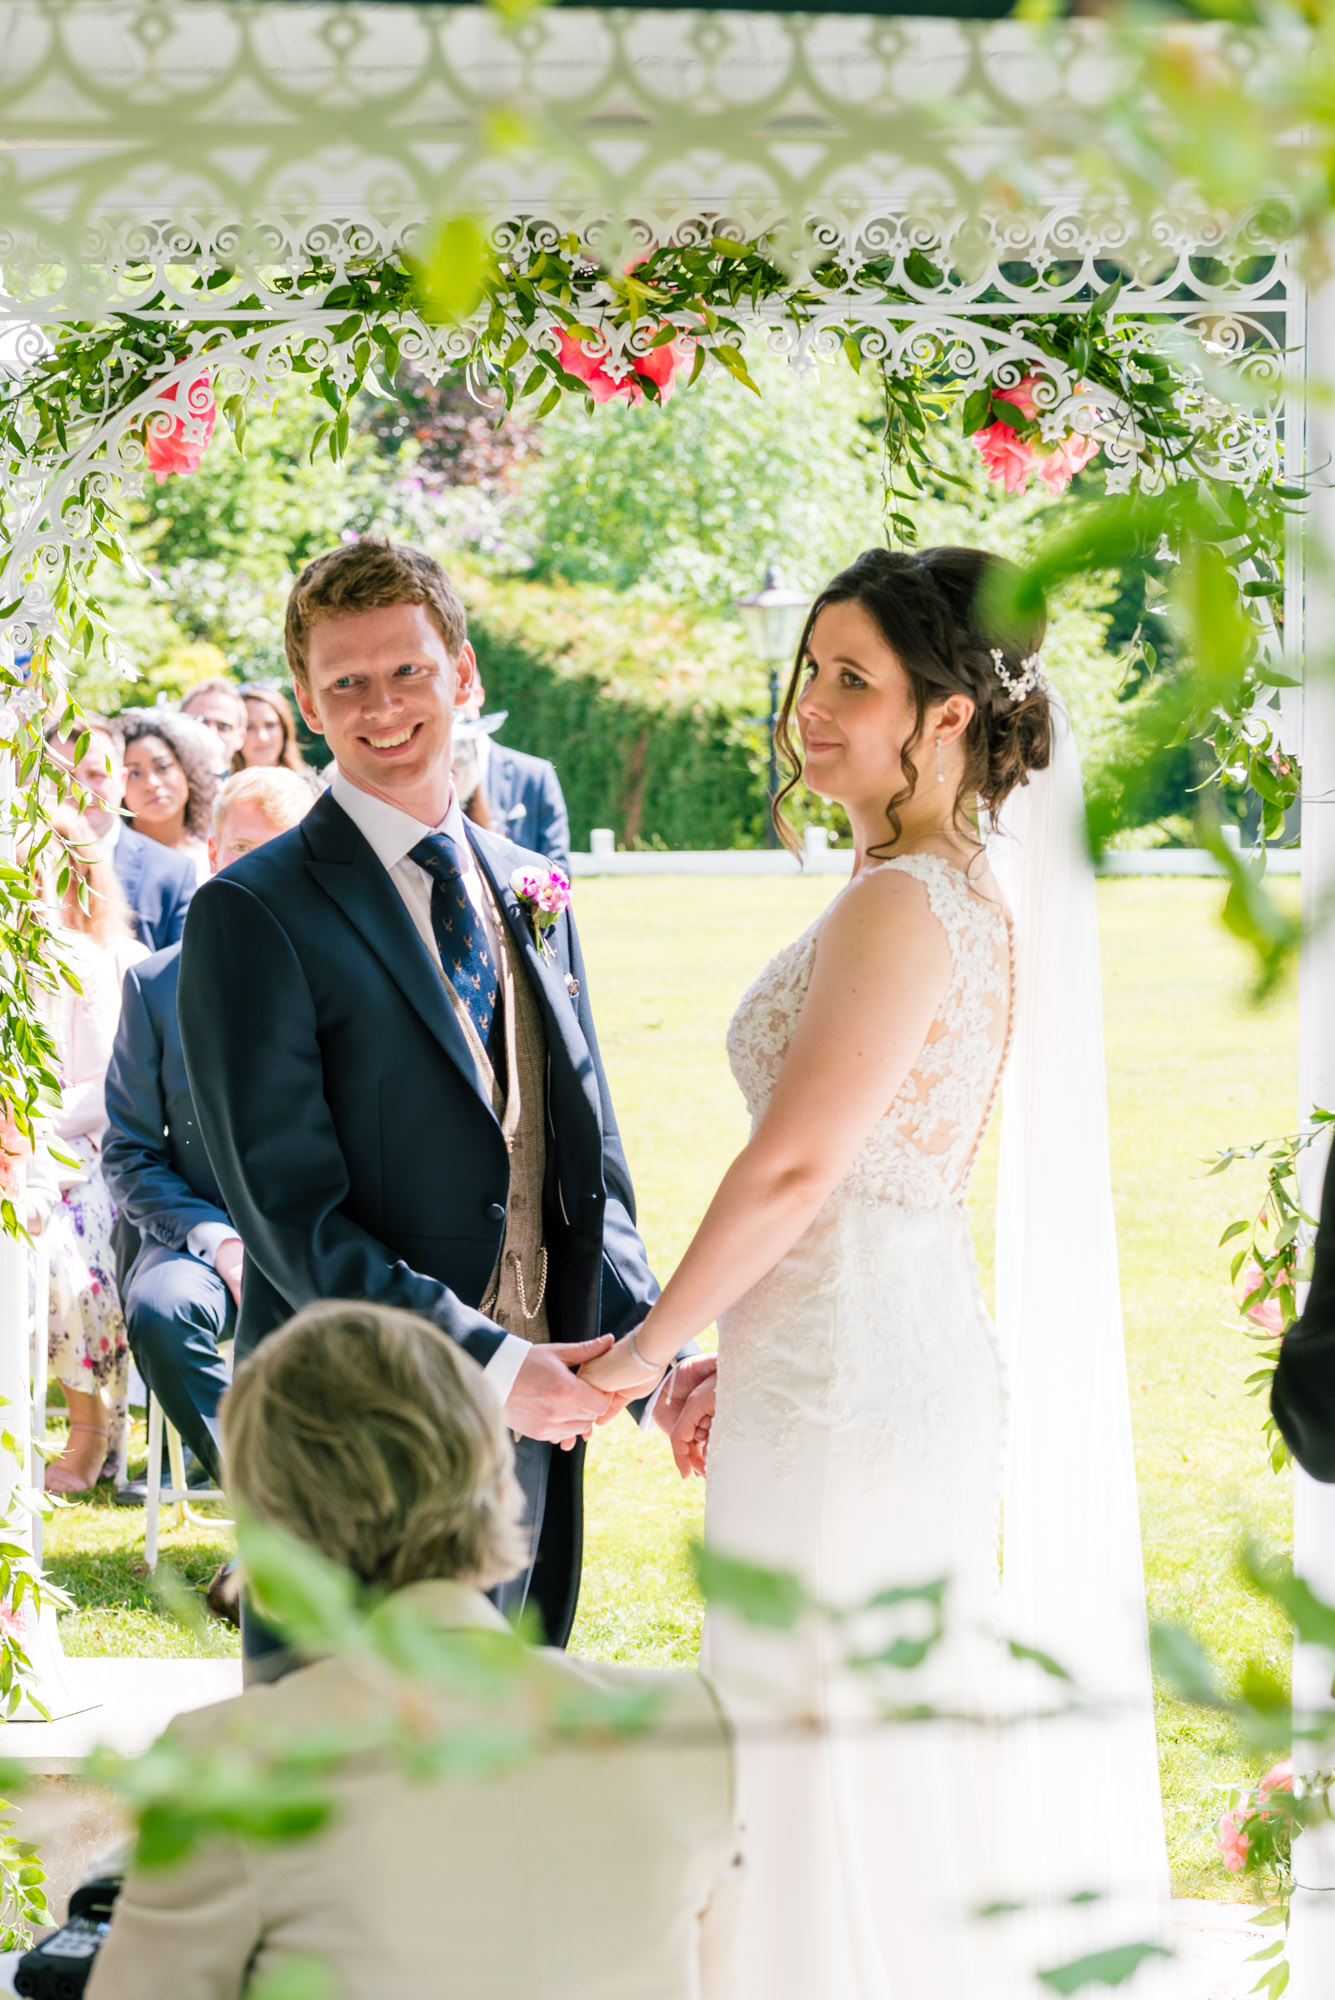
point(169, 780)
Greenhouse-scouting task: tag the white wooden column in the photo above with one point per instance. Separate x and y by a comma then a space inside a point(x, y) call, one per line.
point(1312, 1936)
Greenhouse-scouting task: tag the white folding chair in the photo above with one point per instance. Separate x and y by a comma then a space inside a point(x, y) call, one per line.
point(178, 1495)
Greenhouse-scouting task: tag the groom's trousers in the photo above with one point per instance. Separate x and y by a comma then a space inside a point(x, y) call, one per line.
point(533, 1461)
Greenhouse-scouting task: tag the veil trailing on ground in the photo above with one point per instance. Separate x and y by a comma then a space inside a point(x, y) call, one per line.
point(1082, 1792)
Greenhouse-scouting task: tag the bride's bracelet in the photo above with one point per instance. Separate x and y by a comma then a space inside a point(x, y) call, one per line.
point(649, 1367)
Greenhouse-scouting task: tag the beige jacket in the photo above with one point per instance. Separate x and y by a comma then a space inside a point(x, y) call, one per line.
point(584, 1872)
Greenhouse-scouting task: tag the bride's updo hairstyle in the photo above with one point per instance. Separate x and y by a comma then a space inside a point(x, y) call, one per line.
point(929, 606)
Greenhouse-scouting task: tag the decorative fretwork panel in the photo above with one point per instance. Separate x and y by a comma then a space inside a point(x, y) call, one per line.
point(197, 175)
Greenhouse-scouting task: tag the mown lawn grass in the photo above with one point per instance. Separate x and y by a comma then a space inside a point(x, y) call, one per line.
point(1192, 1067)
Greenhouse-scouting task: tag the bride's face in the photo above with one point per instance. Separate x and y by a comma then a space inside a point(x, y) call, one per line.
point(856, 710)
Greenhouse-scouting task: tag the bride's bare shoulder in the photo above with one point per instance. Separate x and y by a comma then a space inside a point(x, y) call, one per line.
point(884, 913)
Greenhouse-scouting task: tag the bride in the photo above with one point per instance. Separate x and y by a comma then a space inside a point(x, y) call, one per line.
point(862, 1396)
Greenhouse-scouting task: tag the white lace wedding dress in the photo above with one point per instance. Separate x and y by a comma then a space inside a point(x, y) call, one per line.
point(858, 1441)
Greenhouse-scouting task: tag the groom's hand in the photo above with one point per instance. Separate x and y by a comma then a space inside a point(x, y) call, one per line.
point(550, 1401)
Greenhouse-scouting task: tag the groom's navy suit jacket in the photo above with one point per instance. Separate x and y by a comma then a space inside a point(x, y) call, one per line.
point(355, 1151)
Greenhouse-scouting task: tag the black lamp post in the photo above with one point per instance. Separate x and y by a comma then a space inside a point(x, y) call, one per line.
point(773, 617)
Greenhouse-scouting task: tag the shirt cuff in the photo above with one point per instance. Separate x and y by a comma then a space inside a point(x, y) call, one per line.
point(502, 1371)
point(205, 1237)
point(647, 1413)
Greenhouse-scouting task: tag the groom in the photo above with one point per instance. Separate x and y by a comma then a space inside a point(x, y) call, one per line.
point(400, 1091)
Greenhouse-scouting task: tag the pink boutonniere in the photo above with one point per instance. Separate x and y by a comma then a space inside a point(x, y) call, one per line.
point(543, 894)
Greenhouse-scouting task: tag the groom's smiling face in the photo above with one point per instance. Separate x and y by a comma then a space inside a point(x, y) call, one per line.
point(383, 691)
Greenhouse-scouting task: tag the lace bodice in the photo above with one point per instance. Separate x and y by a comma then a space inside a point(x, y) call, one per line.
point(921, 1153)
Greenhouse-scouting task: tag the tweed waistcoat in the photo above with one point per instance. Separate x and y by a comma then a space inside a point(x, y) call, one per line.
point(516, 1294)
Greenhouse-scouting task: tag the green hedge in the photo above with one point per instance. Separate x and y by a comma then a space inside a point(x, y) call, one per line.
point(650, 719)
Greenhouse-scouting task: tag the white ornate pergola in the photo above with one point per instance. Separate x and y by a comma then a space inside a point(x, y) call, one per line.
point(221, 173)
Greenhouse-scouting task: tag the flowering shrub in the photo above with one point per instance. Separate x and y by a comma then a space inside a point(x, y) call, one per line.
point(175, 440)
point(1013, 451)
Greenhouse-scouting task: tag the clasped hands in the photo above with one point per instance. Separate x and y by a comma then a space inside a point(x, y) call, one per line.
point(565, 1389)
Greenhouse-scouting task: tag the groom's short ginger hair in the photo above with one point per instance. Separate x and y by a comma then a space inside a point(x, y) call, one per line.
point(366, 576)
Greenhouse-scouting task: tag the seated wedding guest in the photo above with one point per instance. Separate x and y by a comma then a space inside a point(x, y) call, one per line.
point(599, 1862)
point(178, 1258)
point(157, 881)
point(271, 732)
point(169, 785)
point(1302, 1398)
point(522, 795)
point(218, 705)
point(70, 1208)
point(466, 740)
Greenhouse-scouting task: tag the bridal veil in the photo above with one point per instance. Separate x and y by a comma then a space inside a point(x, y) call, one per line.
point(1083, 1788)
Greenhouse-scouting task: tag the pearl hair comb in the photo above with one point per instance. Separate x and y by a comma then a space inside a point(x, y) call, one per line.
point(1018, 685)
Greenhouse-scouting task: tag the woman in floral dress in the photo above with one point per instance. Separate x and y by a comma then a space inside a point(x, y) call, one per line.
point(69, 1206)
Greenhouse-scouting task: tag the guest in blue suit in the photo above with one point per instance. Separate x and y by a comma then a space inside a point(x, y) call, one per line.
point(399, 1089)
point(179, 1259)
point(157, 881)
point(523, 795)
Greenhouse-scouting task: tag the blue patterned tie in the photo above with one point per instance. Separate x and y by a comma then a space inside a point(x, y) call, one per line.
point(460, 937)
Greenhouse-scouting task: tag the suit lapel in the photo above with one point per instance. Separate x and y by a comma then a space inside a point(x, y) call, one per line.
point(345, 867)
point(497, 858)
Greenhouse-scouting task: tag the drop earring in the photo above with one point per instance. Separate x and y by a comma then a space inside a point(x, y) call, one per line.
point(940, 774)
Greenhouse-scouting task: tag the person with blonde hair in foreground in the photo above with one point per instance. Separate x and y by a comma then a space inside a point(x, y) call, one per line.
point(595, 1866)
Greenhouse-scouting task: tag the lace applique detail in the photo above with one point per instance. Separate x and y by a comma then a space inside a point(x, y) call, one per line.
point(921, 1153)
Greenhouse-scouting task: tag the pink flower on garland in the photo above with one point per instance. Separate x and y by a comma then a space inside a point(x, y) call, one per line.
point(181, 445)
point(1013, 459)
point(1279, 1778)
point(1264, 1313)
point(1071, 456)
point(14, 1624)
point(1008, 457)
point(658, 366)
point(1233, 1844)
point(14, 1150)
point(1247, 1819)
point(1021, 396)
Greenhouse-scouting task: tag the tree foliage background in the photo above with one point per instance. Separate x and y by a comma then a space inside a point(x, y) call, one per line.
point(600, 555)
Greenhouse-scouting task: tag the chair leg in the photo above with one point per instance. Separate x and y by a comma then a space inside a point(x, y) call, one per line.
point(153, 1481)
point(176, 1464)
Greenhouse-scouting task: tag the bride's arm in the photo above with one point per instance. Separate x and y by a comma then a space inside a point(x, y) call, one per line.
point(881, 969)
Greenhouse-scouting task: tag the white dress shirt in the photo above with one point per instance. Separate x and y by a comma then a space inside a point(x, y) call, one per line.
point(392, 835)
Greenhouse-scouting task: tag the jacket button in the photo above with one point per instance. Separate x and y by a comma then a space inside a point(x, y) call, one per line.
point(495, 1211)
